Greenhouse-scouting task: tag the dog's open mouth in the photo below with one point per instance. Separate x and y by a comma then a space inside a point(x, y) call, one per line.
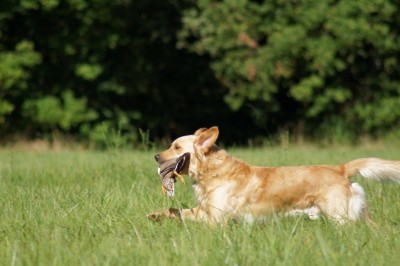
point(168, 172)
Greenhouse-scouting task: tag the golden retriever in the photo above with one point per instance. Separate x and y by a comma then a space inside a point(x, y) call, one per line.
point(228, 188)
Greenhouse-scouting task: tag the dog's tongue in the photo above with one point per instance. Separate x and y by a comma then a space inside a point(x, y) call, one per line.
point(168, 171)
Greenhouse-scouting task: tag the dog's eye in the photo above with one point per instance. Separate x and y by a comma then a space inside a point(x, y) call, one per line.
point(177, 147)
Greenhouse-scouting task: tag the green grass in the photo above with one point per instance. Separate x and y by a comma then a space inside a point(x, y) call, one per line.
point(88, 208)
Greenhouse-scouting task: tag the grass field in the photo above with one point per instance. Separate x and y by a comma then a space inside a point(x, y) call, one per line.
point(88, 208)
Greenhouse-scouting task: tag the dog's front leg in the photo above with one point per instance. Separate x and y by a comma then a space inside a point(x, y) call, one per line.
point(193, 214)
point(170, 213)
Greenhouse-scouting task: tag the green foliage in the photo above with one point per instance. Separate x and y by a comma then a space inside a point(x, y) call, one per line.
point(88, 71)
point(14, 73)
point(94, 68)
point(385, 110)
point(13, 63)
point(53, 112)
point(105, 136)
point(327, 59)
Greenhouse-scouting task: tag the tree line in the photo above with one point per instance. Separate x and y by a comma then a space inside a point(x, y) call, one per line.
point(98, 70)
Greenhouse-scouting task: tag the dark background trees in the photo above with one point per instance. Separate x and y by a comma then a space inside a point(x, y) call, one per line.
point(92, 69)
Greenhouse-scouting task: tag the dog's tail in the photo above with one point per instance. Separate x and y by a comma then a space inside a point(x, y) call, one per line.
point(374, 169)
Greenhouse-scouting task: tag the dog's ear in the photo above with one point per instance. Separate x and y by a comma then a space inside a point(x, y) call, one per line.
point(199, 131)
point(207, 138)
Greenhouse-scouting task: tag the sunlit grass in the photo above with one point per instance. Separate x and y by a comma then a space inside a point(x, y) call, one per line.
point(88, 208)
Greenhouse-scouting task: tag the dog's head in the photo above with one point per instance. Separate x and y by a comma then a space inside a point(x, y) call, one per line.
point(197, 145)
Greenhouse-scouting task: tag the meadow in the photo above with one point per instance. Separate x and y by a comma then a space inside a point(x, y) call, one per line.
point(88, 208)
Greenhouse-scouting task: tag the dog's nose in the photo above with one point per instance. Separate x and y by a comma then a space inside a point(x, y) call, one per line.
point(157, 157)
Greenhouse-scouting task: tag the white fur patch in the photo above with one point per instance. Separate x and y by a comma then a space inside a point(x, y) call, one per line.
point(248, 218)
point(199, 193)
point(312, 212)
point(381, 170)
point(357, 202)
point(220, 196)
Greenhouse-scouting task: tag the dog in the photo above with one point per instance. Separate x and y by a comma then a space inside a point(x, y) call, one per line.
point(227, 188)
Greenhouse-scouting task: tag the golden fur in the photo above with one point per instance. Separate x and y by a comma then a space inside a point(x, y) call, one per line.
point(228, 188)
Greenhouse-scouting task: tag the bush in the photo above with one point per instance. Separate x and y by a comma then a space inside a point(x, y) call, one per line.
point(312, 62)
point(90, 69)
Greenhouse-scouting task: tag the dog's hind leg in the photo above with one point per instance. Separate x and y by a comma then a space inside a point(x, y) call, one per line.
point(358, 203)
point(334, 204)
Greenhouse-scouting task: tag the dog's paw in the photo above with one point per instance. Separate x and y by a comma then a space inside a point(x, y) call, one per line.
point(155, 216)
point(168, 213)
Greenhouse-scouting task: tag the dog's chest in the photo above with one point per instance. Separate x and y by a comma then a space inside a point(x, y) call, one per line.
point(222, 199)
point(217, 196)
